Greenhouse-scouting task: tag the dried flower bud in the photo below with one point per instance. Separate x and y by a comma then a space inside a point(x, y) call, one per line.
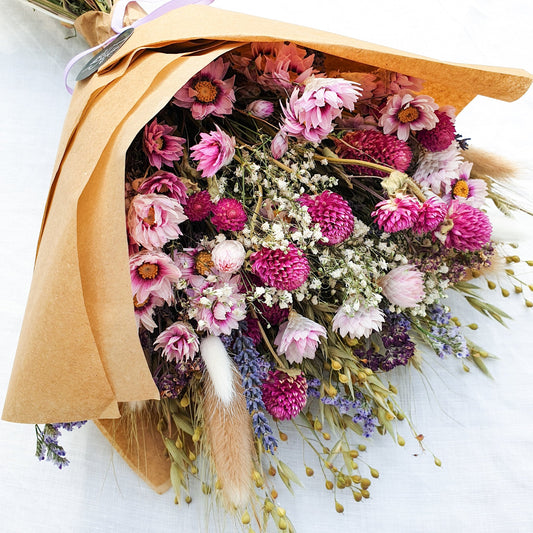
point(260, 108)
point(279, 145)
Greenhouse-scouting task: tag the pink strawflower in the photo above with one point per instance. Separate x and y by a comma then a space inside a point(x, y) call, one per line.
point(375, 147)
point(228, 256)
point(284, 396)
point(280, 144)
point(431, 215)
point(311, 115)
point(144, 311)
point(153, 220)
point(178, 342)
point(153, 273)
point(215, 150)
point(437, 170)
point(396, 214)
point(441, 136)
point(396, 83)
point(298, 338)
point(283, 269)
point(207, 93)
point(229, 215)
point(198, 206)
point(332, 213)
point(403, 286)
point(160, 146)
point(260, 108)
point(166, 183)
point(470, 227)
point(357, 322)
point(218, 306)
point(405, 112)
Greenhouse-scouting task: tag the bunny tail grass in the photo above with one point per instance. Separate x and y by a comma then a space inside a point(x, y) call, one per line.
point(487, 164)
point(229, 436)
point(219, 367)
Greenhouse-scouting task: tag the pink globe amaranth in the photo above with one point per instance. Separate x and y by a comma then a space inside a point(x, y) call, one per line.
point(271, 314)
point(282, 269)
point(431, 215)
point(470, 227)
point(332, 213)
point(397, 213)
point(374, 147)
point(229, 215)
point(441, 136)
point(403, 286)
point(178, 342)
point(284, 396)
point(160, 146)
point(198, 206)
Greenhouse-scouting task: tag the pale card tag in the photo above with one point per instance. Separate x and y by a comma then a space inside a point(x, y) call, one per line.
point(101, 57)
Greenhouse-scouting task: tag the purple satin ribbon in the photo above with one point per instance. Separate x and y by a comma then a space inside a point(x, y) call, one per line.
point(117, 18)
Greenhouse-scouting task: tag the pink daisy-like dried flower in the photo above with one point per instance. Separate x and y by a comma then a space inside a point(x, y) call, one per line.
point(144, 311)
point(198, 206)
point(403, 286)
point(160, 146)
point(298, 338)
point(405, 112)
point(153, 273)
point(311, 115)
point(215, 150)
point(153, 220)
point(178, 342)
point(166, 183)
point(441, 136)
point(260, 108)
point(332, 213)
point(284, 396)
point(228, 256)
point(396, 214)
point(283, 269)
point(431, 215)
point(207, 93)
point(375, 147)
point(465, 189)
point(357, 323)
point(217, 307)
point(465, 227)
point(229, 215)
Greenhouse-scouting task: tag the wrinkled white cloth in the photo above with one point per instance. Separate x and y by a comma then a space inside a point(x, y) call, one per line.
point(480, 428)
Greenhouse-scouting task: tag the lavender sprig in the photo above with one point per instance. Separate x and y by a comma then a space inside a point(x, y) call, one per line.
point(254, 369)
point(48, 446)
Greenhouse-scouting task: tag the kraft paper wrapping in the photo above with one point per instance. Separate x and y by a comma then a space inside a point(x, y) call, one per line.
point(79, 354)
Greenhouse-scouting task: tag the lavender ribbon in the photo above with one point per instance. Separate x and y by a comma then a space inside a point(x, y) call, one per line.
point(117, 26)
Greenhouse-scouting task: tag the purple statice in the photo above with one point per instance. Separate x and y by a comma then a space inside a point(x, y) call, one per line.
point(445, 337)
point(254, 370)
point(313, 388)
point(397, 344)
point(363, 414)
point(48, 447)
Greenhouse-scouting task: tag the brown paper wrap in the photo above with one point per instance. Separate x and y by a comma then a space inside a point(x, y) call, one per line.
point(79, 354)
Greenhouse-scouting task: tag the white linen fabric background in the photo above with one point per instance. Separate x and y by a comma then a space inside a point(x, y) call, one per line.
point(481, 429)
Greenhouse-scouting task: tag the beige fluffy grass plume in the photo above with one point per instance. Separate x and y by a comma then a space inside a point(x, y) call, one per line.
point(229, 435)
point(489, 164)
